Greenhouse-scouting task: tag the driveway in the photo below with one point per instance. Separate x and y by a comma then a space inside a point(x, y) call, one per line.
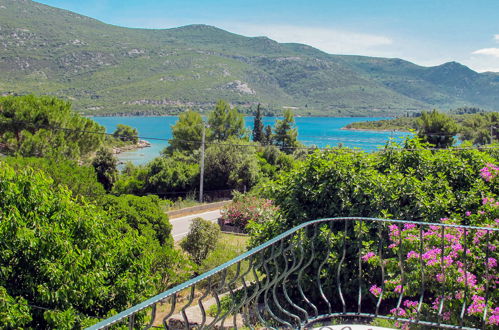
point(181, 225)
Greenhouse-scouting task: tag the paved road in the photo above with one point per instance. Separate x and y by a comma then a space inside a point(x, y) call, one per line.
point(181, 225)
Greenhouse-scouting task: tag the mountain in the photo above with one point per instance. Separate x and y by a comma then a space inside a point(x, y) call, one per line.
point(106, 69)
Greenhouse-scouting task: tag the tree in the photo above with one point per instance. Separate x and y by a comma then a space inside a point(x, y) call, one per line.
point(202, 238)
point(285, 134)
point(80, 179)
point(187, 133)
point(268, 138)
point(126, 133)
point(105, 165)
point(66, 256)
point(172, 174)
point(226, 122)
point(480, 128)
point(437, 128)
point(228, 166)
point(258, 126)
point(142, 214)
point(45, 126)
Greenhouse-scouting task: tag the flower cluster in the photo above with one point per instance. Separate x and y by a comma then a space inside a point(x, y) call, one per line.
point(248, 208)
point(489, 172)
point(453, 257)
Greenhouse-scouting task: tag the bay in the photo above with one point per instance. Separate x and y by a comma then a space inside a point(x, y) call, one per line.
point(312, 131)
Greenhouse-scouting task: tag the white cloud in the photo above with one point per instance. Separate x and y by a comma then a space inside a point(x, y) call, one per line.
point(496, 37)
point(332, 41)
point(487, 51)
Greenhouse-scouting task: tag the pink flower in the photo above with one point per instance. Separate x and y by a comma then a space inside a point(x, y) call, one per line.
point(409, 226)
point(412, 254)
point(375, 290)
point(494, 317)
point(440, 277)
point(470, 278)
point(468, 213)
point(410, 304)
point(477, 306)
point(398, 289)
point(398, 311)
point(368, 256)
point(492, 262)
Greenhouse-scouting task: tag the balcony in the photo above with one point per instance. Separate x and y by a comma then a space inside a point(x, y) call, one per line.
point(341, 271)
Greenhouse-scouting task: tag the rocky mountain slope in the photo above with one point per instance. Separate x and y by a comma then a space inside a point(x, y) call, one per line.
point(105, 69)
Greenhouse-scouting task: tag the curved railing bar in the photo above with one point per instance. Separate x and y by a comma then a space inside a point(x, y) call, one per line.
point(159, 297)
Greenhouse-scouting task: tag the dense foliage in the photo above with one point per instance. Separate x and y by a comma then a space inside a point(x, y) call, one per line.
point(187, 133)
point(80, 179)
point(228, 166)
point(415, 184)
point(473, 125)
point(45, 126)
point(226, 122)
point(285, 133)
point(437, 129)
point(63, 262)
point(126, 133)
point(105, 165)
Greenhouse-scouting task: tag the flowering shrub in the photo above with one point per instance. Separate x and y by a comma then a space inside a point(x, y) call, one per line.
point(248, 208)
point(460, 263)
point(489, 172)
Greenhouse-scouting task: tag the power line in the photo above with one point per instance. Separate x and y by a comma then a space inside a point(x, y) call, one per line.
point(285, 148)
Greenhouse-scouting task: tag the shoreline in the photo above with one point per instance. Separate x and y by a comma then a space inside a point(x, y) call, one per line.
point(374, 130)
point(244, 115)
point(141, 144)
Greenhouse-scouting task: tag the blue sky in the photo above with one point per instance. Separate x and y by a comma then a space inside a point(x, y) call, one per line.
point(427, 32)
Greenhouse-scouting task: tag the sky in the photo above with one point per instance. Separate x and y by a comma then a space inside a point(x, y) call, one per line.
point(426, 32)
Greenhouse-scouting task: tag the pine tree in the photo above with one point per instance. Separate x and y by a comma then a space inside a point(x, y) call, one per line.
point(226, 122)
point(258, 126)
point(268, 137)
point(285, 134)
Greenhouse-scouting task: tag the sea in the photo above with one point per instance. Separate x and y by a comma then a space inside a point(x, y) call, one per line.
point(312, 131)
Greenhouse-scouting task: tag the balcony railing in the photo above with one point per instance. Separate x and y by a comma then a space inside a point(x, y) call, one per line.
point(340, 270)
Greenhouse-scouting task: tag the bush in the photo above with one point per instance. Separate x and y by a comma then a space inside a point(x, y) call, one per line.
point(462, 274)
point(416, 184)
point(201, 239)
point(81, 180)
point(246, 208)
point(68, 257)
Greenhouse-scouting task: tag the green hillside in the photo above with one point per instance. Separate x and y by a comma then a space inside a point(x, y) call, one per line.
point(105, 69)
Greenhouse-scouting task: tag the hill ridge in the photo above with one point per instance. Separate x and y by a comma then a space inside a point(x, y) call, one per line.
point(108, 69)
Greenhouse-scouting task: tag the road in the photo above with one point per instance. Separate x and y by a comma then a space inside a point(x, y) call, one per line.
point(181, 224)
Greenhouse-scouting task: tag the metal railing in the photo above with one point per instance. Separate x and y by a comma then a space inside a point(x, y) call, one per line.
point(332, 270)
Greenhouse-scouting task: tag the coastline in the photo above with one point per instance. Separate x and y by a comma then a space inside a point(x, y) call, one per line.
point(133, 147)
point(374, 130)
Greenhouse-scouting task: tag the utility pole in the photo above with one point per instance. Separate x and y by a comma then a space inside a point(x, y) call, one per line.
point(201, 166)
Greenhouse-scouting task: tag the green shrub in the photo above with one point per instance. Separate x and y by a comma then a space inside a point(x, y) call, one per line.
point(201, 239)
point(68, 257)
point(81, 180)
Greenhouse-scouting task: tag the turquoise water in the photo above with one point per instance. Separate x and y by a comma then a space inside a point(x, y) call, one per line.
point(318, 131)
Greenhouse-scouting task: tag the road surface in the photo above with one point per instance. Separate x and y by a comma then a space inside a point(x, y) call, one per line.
point(181, 224)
